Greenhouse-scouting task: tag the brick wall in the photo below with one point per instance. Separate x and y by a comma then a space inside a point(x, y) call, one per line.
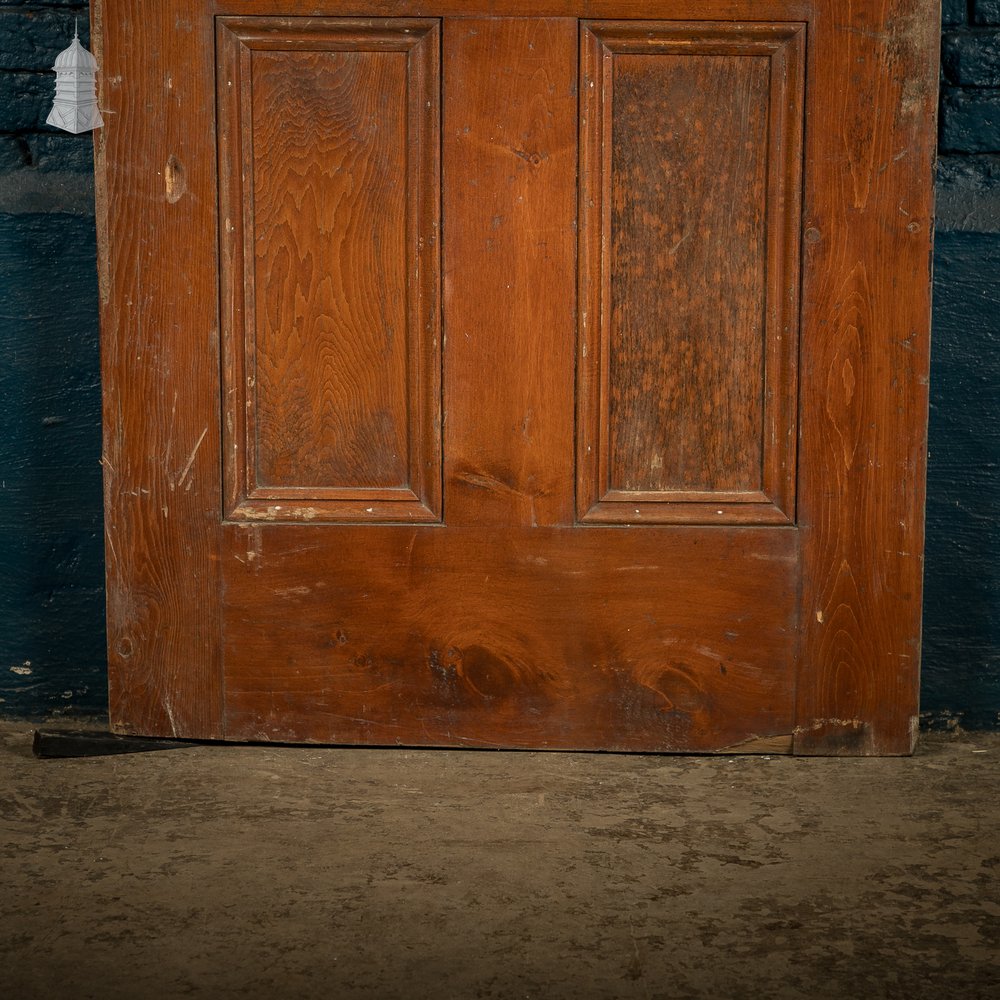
point(51, 549)
point(961, 662)
point(51, 603)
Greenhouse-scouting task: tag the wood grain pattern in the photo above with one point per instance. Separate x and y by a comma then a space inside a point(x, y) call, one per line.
point(159, 328)
point(479, 637)
point(690, 184)
point(487, 629)
point(329, 230)
point(704, 10)
point(866, 295)
point(330, 206)
point(685, 359)
point(510, 216)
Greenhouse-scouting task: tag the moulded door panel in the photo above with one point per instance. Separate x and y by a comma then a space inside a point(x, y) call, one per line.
point(526, 375)
point(330, 201)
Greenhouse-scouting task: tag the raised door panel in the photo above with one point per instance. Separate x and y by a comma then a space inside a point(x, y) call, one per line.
point(329, 138)
point(562, 637)
point(689, 216)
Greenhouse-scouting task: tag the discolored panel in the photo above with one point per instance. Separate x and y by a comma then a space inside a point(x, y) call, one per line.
point(332, 352)
point(691, 162)
point(688, 173)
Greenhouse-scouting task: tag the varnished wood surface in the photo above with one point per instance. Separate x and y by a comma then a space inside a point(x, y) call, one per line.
point(866, 317)
point(683, 10)
point(329, 231)
point(156, 217)
point(332, 345)
point(600, 638)
point(690, 137)
point(510, 270)
point(687, 190)
point(484, 629)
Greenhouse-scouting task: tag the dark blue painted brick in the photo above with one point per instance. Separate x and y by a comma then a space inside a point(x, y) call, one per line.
point(972, 58)
point(62, 151)
point(25, 100)
point(47, 152)
point(986, 12)
point(961, 662)
point(51, 597)
point(978, 174)
point(954, 12)
point(970, 121)
point(31, 39)
point(14, 153)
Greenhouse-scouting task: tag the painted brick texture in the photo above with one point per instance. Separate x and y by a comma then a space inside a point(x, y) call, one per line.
point(961, 655)
point(970, 78)
point(51, 531)
point(985, 11)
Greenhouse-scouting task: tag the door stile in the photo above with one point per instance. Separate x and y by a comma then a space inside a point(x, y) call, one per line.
point(158, 267)
point(865, 350)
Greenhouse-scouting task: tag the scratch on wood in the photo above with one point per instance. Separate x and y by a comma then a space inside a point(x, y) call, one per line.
point(168, 450)
point(253, 544)
point(276, 512)
point(190, 461)
point(761, 744)
point(111, 547)
point(168, 707)
point(824, 723)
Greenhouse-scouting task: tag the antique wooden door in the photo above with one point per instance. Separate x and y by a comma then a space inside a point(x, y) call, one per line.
point(492, 373)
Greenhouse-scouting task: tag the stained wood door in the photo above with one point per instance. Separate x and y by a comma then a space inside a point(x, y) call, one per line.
point(517, 374)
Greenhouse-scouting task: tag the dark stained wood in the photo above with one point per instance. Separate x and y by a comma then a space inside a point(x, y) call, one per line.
point(687, 190)
point(866, 312)
point(156, 218)
point(689, 194)
point(479, 637)
point(510, 271)
point(675, 10)
point(332, 344)
point(790, 621)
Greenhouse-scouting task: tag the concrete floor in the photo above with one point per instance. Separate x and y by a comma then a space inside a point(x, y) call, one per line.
point(258, 872)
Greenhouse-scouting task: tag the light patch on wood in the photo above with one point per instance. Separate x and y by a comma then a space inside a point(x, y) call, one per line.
point(762, 744)
point(190, 462)
point(174, 180)
point(827, 723)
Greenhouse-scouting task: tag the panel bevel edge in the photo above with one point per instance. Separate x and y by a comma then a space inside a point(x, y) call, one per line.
point(419, 39)
point(231, 77)
point(597, 503)
point(783, 290)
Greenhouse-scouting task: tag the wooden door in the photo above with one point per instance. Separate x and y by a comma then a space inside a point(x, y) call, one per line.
point(517, 374)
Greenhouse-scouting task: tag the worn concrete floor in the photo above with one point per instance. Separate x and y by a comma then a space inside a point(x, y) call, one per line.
point(258, 872)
